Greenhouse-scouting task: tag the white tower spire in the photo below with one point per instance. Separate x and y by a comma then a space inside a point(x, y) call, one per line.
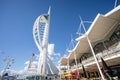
point(41, 34)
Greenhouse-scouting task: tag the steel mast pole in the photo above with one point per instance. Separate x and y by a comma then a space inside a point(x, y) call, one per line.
point(45, 44)
point(92, 50)
point(74, 53)
point(68, 67)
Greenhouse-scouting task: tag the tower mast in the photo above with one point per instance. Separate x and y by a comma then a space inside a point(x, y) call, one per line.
point(41, 34)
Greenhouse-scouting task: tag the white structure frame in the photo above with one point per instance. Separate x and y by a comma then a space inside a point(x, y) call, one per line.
point(40, 34)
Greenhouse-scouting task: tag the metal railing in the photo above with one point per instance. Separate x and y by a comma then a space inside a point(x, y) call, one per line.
point(105, 54)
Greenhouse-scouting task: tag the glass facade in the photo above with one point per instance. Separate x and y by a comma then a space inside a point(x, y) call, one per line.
point(111, 42)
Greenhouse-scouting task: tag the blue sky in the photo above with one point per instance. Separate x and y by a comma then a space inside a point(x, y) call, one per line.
point(17, 18)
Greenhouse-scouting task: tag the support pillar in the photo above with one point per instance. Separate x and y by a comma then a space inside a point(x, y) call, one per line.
point(93, 53)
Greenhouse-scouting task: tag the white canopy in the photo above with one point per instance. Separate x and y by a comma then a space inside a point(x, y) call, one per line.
point(101, 28)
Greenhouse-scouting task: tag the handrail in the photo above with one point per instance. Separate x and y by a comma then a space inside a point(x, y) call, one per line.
point(101, 54)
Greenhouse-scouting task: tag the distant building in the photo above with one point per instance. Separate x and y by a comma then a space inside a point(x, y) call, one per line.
point(9, 78)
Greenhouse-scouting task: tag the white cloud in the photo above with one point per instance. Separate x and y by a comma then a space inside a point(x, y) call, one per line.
point(27, 71)
point(33, 65)
point(24, 71)
point(52, 54)
point(37, 56)
point(26, 62)
point(10, 72)
point(65, 55)
point(51, 57)
point(57, 54)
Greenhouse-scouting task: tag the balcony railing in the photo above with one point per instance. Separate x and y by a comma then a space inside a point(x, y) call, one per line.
point(105, 54)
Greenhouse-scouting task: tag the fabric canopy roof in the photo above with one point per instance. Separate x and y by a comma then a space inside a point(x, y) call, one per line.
point(101, 28)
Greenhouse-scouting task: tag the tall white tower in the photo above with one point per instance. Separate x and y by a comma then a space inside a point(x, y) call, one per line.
point(40, 34)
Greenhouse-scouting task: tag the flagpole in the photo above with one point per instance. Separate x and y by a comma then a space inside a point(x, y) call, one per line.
point(74, 52)
point(92, 50)
point(76, 64)
point(68, 68)
point(75, 57)
point(84, 72)
point(115, 4)
point(60, 70)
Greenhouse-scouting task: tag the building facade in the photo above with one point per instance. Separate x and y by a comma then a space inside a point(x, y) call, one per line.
point(104, 36)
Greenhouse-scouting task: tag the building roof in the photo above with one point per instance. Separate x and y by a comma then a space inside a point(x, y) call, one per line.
point(100, 29)
point(63, 61)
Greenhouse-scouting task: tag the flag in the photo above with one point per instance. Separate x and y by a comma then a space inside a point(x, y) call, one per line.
point(84, 72)
point(5, 74)
point(77, 74)
point(72, 75)
point(106, 68)
point(44, 18)
point(33, 54)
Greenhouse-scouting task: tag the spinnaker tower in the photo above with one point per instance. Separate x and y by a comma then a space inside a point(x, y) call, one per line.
point(41, 35)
